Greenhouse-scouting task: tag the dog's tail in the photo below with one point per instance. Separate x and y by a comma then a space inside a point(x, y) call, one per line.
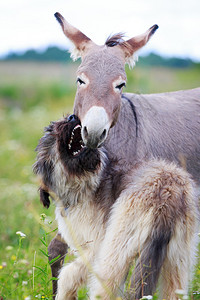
point(168, 249)
point(153, 221)
point(150, 260)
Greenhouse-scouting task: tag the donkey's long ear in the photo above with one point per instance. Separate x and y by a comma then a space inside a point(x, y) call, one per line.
point(81, 42)
point(137, 42)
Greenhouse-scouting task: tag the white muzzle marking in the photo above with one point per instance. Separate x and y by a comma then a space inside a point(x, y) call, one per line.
point(95, 127)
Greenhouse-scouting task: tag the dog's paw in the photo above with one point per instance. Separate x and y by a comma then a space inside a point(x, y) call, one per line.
point(65, 297)
point(68, 282)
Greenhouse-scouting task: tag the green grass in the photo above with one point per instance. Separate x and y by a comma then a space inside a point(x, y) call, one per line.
point(31, 95)
point(159, 79)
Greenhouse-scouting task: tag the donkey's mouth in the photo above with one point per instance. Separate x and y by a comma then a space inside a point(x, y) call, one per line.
point(76, 145)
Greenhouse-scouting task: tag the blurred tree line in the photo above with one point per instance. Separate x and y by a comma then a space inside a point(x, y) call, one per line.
point(56, 54)
point(50, 54)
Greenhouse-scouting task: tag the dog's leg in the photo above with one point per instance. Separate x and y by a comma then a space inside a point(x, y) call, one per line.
point(127, 231)
point(143, 223)
point(73, 275)
point(177, 269)
point(57, 247)
point(172, 261)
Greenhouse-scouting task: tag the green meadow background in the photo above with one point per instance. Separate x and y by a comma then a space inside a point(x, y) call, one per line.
point(33, 93)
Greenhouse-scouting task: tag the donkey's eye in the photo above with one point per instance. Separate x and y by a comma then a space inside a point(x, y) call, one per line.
point(80, 81)
point(120, 86)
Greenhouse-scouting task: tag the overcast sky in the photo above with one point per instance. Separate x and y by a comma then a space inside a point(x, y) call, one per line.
point(28, 24)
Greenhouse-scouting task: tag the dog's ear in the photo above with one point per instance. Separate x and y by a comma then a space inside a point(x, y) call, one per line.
point(44, 197)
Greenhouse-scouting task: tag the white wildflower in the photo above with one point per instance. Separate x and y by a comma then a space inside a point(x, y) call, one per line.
point(8, 248)
point(23, 235)
point(147, 297)
point(24, 261)
point(24, 282)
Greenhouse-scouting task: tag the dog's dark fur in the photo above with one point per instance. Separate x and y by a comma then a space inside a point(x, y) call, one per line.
point(117, 216)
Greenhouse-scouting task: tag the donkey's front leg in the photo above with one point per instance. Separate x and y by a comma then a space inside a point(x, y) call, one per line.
point(57, 247)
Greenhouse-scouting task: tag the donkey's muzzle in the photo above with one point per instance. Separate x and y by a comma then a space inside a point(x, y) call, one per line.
point(93, 141)
point(95, 127)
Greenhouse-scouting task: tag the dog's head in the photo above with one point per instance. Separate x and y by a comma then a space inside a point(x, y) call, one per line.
point(61, 150)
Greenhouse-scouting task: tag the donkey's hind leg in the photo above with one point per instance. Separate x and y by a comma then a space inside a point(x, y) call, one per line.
point(143, 223)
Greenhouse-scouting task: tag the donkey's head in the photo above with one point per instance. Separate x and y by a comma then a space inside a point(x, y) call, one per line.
point(100, 79)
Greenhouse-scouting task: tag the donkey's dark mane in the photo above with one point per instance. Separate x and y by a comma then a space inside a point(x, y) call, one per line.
point(118, 39)
point(115, 39)
point(132, 106)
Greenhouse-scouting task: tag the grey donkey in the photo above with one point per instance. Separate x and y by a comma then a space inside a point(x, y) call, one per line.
point(133, 127)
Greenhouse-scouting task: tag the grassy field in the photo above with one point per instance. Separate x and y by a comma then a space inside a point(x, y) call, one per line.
point(31, 95)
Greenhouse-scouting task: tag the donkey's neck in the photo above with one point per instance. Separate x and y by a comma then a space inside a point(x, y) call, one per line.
point(122, 140)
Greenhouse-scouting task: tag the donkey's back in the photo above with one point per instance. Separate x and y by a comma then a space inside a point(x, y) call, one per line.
point(165, 125)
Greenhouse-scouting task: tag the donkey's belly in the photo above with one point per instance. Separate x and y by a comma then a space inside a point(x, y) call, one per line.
point(81, 225)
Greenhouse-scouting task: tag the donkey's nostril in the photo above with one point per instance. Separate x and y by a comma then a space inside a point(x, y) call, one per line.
point(85, 132)
point(103, 135)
